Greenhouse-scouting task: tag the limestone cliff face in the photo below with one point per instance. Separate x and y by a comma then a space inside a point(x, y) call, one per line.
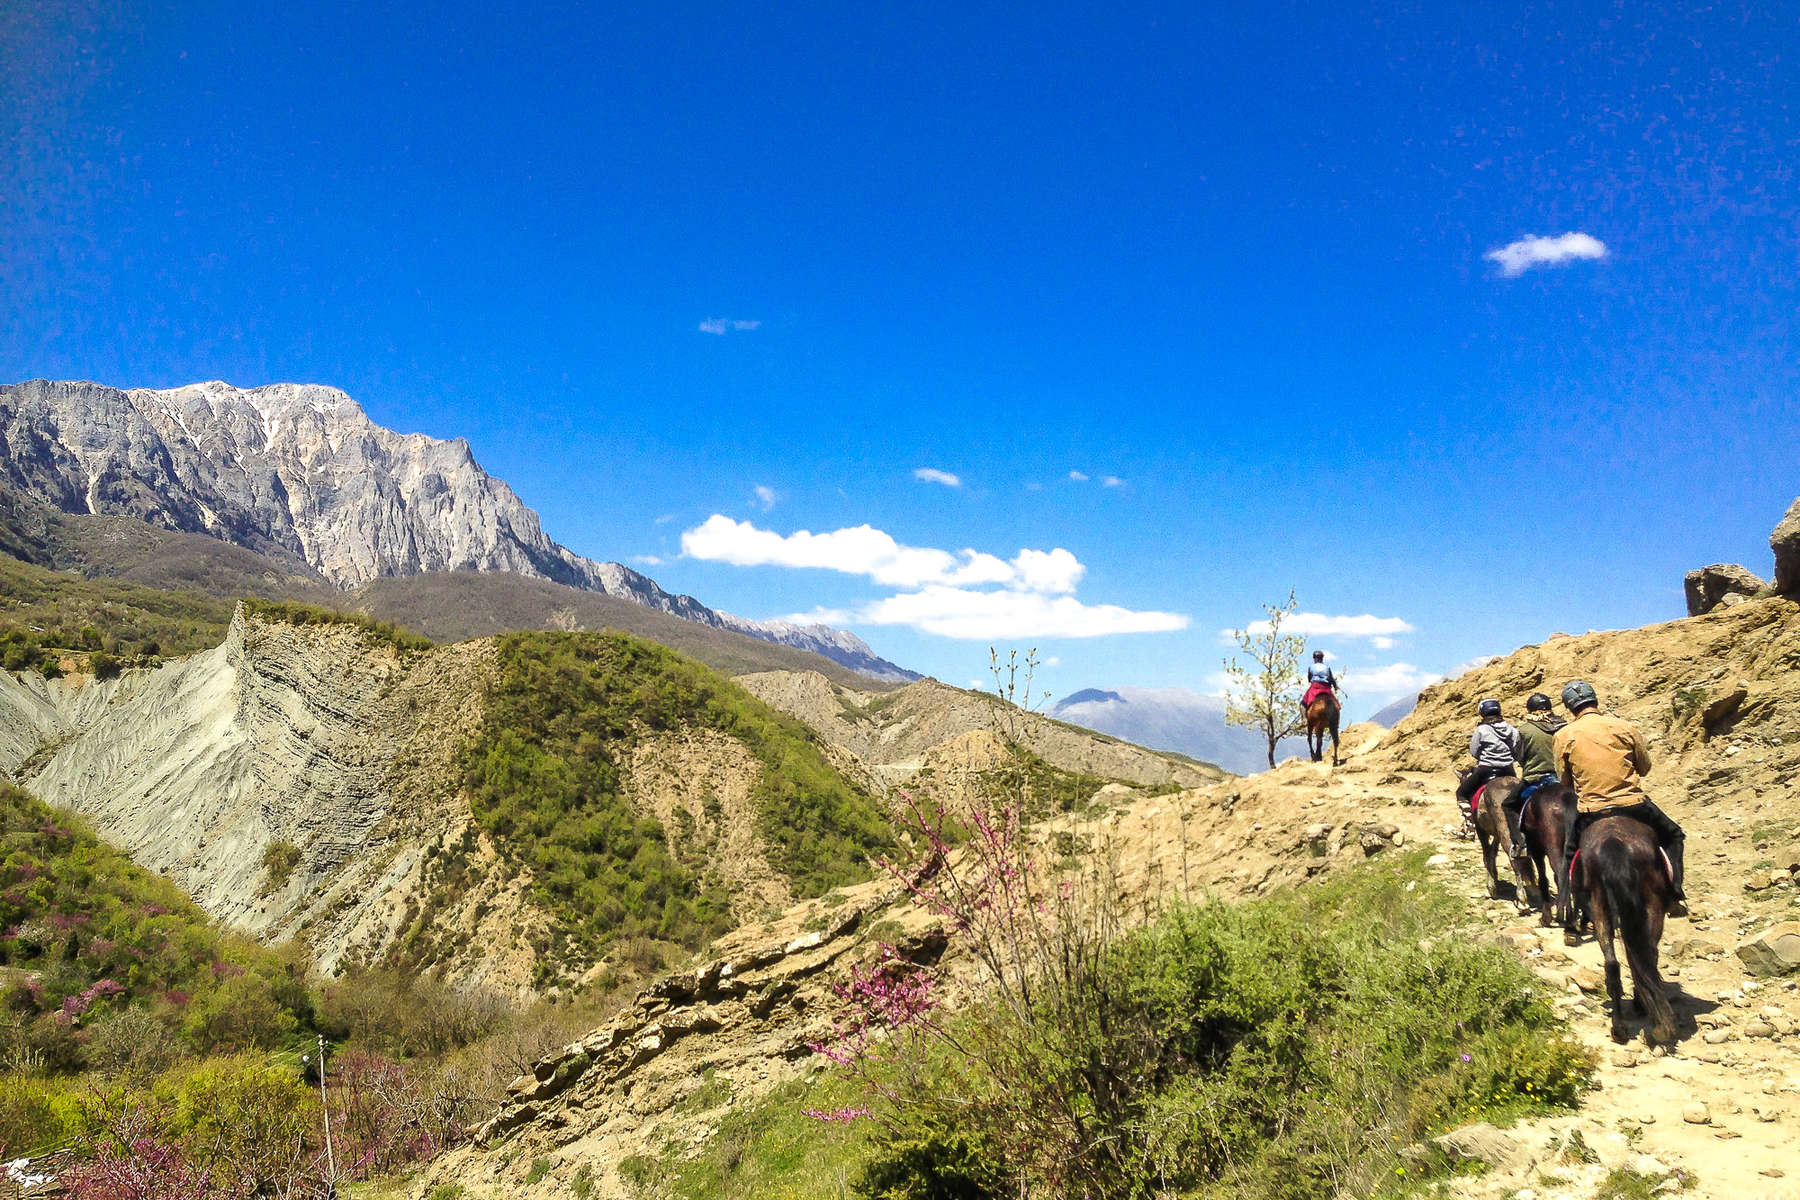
point(301, 473)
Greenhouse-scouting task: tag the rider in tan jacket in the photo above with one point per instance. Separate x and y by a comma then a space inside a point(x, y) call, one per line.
point(1604, 759)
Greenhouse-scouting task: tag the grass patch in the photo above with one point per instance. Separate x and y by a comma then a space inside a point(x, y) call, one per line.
point(771, 1148)
point(1625, 1184)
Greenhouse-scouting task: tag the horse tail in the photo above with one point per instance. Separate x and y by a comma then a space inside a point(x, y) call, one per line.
point(1622, 879)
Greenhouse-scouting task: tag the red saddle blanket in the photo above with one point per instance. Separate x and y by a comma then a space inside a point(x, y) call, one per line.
point(1313, 692)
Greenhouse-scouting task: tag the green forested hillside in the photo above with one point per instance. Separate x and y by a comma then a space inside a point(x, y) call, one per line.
point(87, 936)
point(544, 780)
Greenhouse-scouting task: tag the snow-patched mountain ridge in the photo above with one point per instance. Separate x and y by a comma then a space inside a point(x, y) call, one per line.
point(299, 472)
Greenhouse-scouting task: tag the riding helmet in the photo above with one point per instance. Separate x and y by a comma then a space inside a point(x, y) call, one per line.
point(1488, 708)
point(1538, 703)
point(1578, 695)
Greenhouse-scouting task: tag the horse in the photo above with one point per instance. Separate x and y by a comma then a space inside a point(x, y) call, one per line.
point(1543, 821)
point(1626, 883)
point(1322, 718)
point(1492, 831)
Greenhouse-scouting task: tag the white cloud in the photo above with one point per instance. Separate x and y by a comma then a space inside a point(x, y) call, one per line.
point(1053, 661)
point(1309, 624)
point(1387, 680)
point(997, 615)
point(719, 326)
point(1111, 481)
point(765, 496)
point(933, 475)
point(865, 550)
point(965, 594)
point(1479, 661)
point(648, 560)
point(1516, 258)
point(1078, 476)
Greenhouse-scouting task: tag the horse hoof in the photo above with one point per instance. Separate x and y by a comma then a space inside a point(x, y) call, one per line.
point(1620, 1034)
point(1571, 938)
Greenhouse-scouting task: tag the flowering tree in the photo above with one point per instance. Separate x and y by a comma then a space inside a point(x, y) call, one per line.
point(1265, 693)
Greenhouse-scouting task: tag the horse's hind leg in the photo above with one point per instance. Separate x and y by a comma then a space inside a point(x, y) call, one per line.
point(1603, 933)
point(1490, 850)
point(1543, 882)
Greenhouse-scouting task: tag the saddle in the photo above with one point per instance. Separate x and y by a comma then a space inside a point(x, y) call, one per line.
point(1313, 692)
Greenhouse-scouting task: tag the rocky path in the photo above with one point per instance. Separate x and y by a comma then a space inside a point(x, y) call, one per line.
point(1723, 1108)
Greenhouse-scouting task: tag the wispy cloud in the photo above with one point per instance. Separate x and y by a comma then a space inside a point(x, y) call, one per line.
point(1078, 476)
point(1111, 481)
point(765, 496)
point(1516, 258)
point(961, 594)
point(1380, 630)
point(647, 560)
point(719, 326)
point(933, 475)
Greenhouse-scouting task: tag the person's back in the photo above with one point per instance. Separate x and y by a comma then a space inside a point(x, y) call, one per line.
point(1537, 740)
point(1604, 758)
point(1495, 748)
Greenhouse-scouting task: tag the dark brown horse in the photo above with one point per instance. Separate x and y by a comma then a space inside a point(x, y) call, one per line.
point(1622, 874)
point(1322, 718)
point(1543, 822)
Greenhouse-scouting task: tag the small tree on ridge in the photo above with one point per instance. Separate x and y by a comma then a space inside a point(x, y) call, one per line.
point(1265, 695)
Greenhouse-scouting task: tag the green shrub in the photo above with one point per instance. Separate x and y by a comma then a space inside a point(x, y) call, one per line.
point(540, 1167)
point(1251, 1049)
point(103, 665)
point(290, 612)
point(279, 860)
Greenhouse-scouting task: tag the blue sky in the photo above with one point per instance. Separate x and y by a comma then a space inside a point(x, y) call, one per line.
point(650, 260)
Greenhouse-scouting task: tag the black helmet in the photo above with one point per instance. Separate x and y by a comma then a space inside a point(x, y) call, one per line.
point(1488, 708)
point(1538, 703)
point(1578, 695)
point(1318, 656)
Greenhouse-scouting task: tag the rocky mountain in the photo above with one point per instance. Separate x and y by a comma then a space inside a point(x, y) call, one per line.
point(1173, 719)
point(300, 474)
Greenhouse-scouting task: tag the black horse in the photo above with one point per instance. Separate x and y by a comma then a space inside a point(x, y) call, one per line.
point(1622, 873)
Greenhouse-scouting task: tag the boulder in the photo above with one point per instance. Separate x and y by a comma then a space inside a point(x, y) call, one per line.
point(1480, 1143)
point(1785, 542)
point(1774, 951)
point(1707, 587)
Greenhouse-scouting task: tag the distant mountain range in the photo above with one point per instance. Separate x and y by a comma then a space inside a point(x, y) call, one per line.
point(1394, 713)
point(300, 475)
point(1174, 719)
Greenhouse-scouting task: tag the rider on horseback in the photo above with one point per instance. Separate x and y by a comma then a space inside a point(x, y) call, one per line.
point(1495, 747)
point(1319, 681)
point(1537, 762)
point(1604, 759)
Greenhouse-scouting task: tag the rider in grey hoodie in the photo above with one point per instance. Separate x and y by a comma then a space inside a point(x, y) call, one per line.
point(1495, 746)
